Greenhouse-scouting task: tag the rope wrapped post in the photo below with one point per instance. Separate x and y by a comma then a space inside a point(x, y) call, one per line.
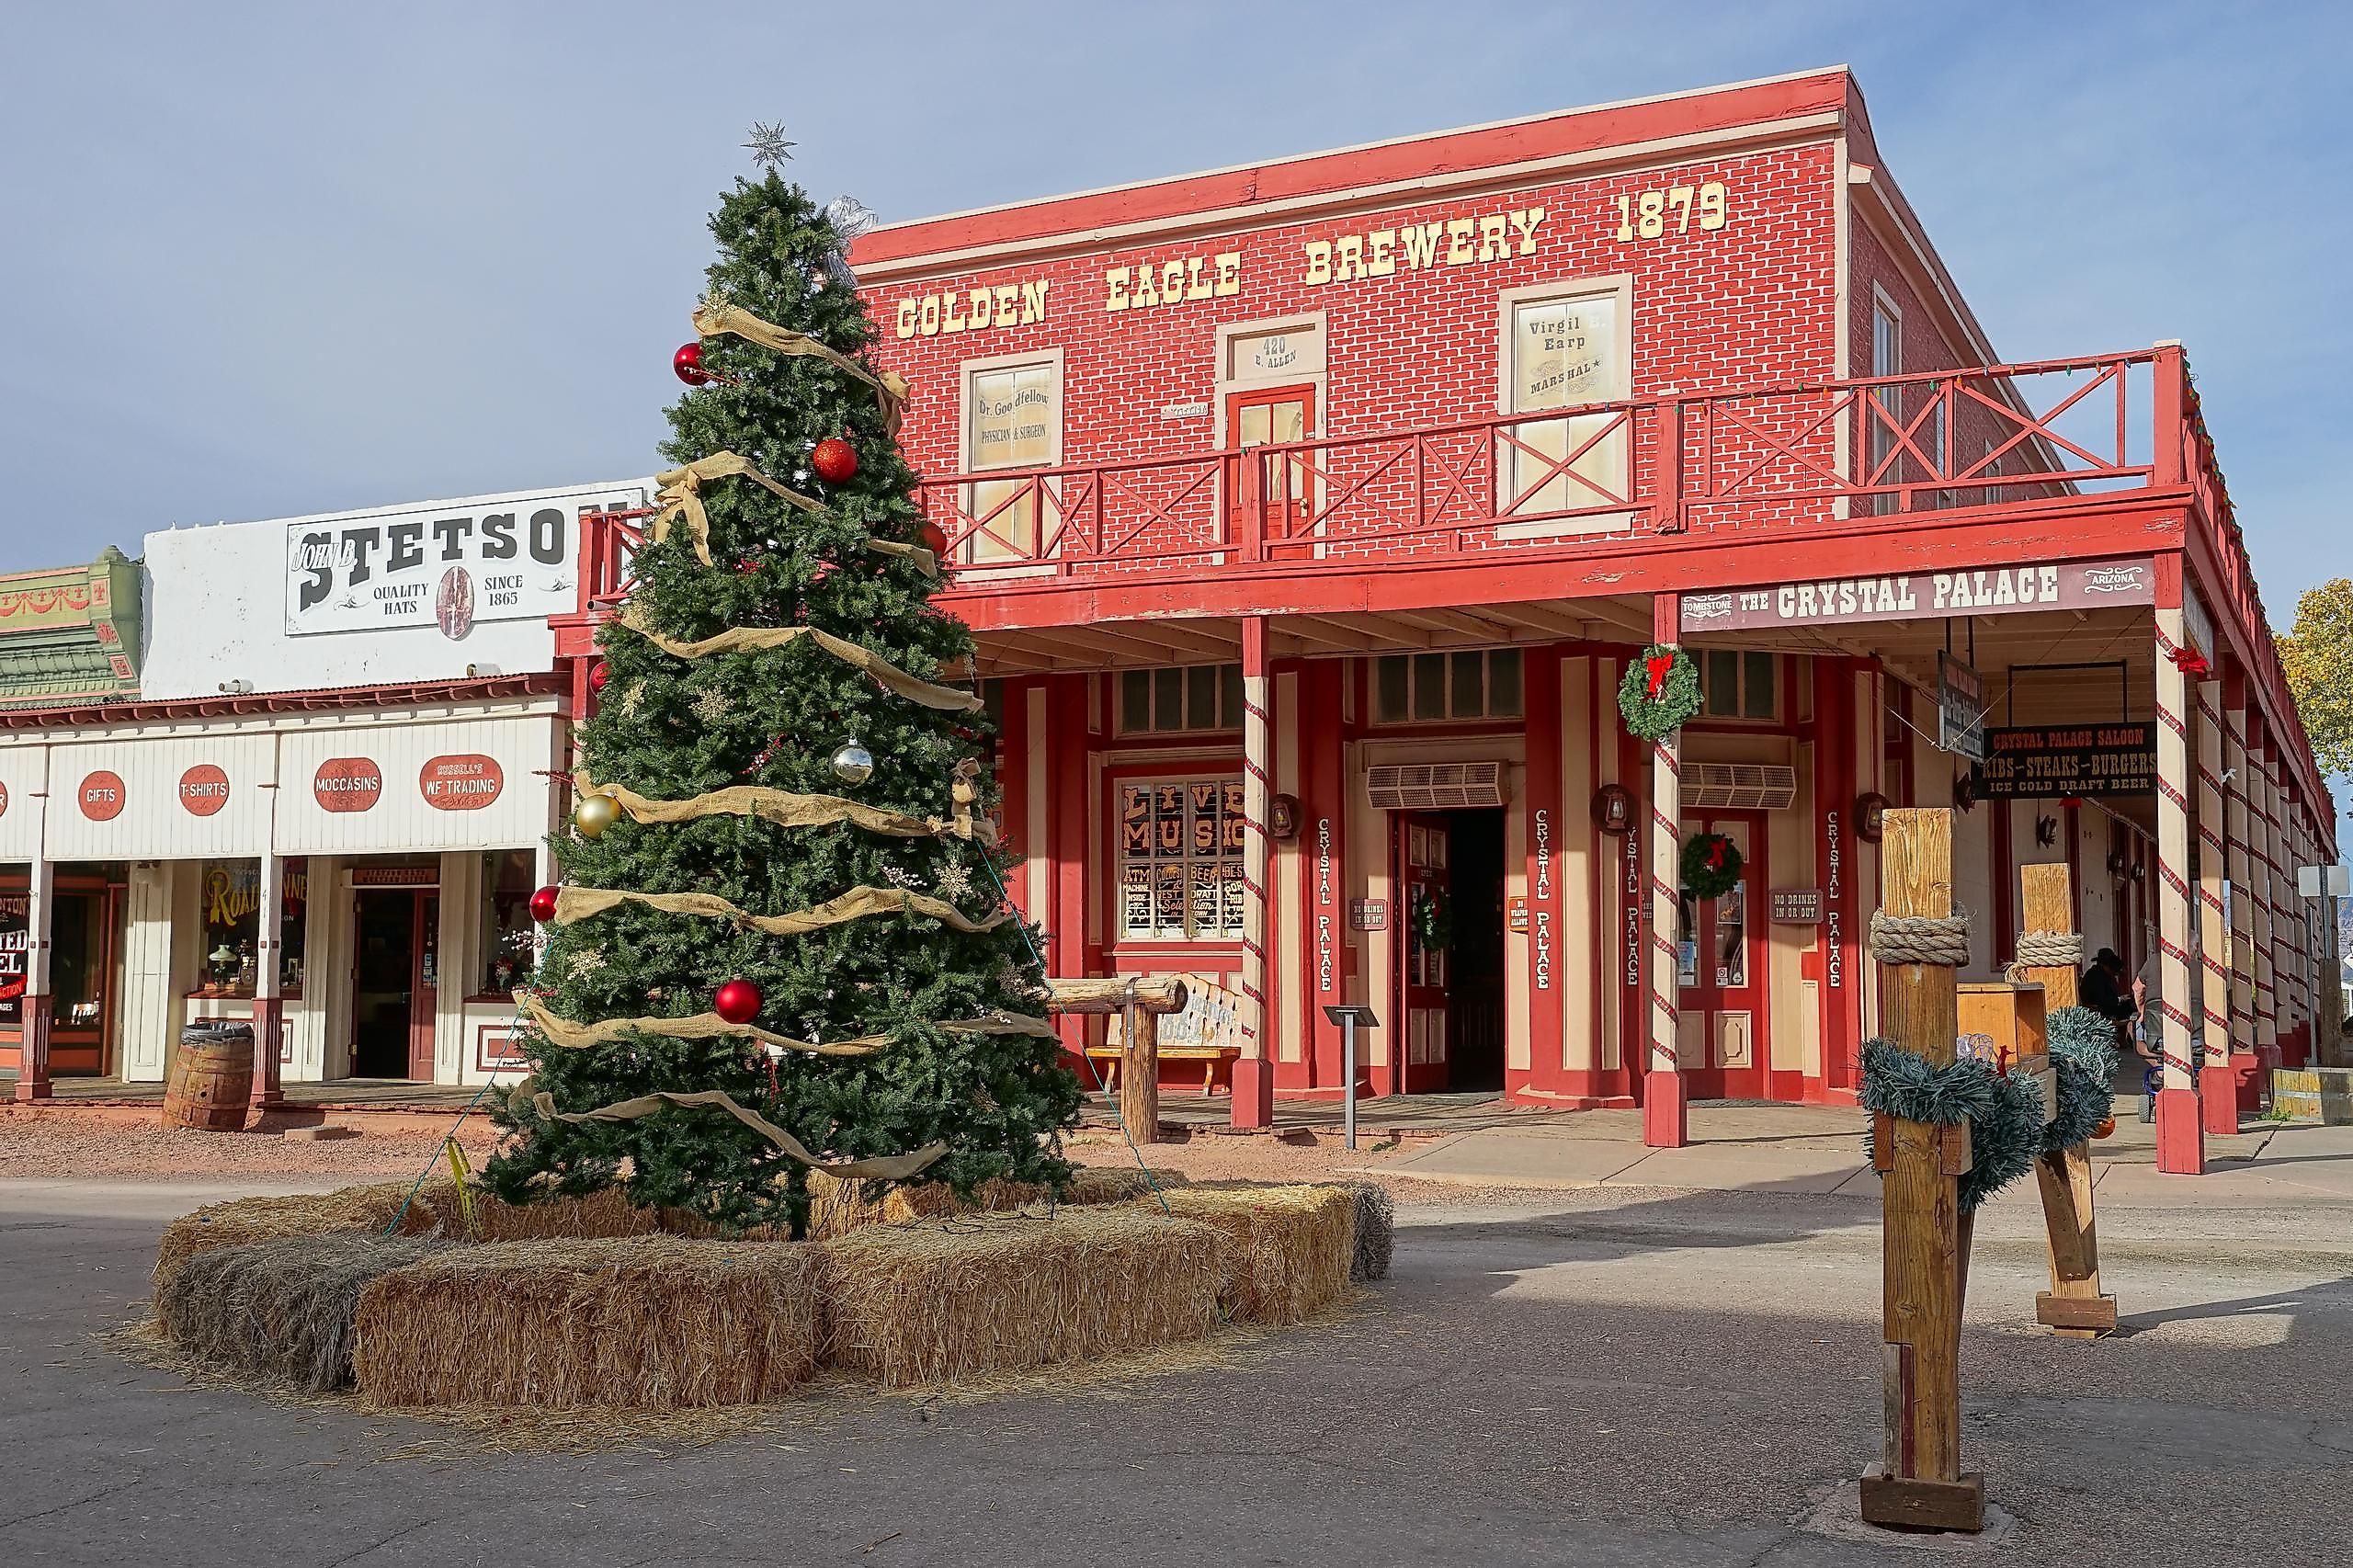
point(2051, 954)
point(1918, 941)
point(1139, 1001)
point(2181, 1136)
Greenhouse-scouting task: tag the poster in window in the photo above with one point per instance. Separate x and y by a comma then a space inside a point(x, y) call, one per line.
point(1237, 894)
point(1135, 900)
point(1168, 890)
point(1205, 819)
point(1168, 821)
point(1208, 898)
point(1135, 821)
point(1564, 352)
point(1015, 414)
point(16, 945)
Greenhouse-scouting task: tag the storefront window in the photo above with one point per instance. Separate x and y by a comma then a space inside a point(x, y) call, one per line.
point(232, 894)
point(78, 960)
point(1181, 860)
point(507, 933)
point(15, 946)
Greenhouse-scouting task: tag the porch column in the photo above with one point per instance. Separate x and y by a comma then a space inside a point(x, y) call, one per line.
point(38, 1008)
point(2217, 1090)
point(2282, 894)
point(2181, 1143)
point(2259, 883)
point(1254, 1076)
point(1666, 1117)
point(2235, 827)
point(269, 1006)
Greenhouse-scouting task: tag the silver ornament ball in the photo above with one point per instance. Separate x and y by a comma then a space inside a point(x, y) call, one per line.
point(853, 764)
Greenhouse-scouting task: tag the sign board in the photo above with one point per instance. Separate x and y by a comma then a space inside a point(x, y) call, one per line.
point(447, 565)
point(2325, 882)
point(1369, 915)
point(2047, 761)
point(1795, 907)
point(1516, 914)
point(1961, 708)
point(1925, 595)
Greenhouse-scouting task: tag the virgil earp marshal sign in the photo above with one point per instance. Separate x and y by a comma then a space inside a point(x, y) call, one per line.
point(436, 566)
point(1920, 596)
point(2052, 760)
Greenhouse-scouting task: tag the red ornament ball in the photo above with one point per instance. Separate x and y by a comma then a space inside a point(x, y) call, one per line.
point(688, 363)
point(738, 1002)
point(598, 674)
point(934, 537)
point(543, 906)
point(835, 460)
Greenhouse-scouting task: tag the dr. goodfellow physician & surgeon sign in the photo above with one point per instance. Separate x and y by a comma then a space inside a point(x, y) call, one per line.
point(440, 566)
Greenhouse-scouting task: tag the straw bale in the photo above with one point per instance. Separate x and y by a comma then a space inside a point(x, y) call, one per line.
point(606, 1213)
point(1376, 1227)
point(634, 1322)
point(280, 1309)
point(1285, 1252)
point(243, 1220)
point(961, 1299)
point(837, 1208)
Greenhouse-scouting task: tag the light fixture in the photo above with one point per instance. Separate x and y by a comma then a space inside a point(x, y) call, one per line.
point(236, 688)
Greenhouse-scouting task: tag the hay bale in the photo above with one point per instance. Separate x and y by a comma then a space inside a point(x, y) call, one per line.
point(837, 1208)
point(606, 1213)
point(1285, 1251)
point(956, 1300)
point(1376, 1229)
point(643, 1321)
point(280, 1309)
point(246, 1220)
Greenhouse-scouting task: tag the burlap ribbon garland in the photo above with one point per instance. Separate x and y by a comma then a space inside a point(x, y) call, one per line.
point(713, 317)
point(781, 807)
point(1940, 939)
point(563, 1032)
point(578, 904)
point(746, 638)
point(891, 1167)
point(681, 497)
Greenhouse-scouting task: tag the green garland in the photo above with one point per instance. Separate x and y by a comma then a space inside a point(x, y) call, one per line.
point(1432, 920)
point(2083, 1056)
point(2004, 1111)
point(1655, 718)
point(1711, 864)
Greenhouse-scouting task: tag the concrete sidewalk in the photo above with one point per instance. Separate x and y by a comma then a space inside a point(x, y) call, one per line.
point(1811, 1149)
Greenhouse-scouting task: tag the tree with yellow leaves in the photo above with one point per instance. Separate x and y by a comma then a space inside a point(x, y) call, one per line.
point(2318, 657)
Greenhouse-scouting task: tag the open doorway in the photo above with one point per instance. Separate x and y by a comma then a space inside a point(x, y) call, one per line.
point(393, 983)
point(1450, 867)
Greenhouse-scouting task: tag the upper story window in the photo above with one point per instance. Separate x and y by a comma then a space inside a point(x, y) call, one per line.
point(1736, 685)
point(1197, 697)
point(1887, 360)
point(1013, 419)
point(1563, 347)
point(1475, 684)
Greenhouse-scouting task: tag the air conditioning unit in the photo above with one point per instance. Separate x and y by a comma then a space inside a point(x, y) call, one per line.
point(1435, 786)
point(1738, 786)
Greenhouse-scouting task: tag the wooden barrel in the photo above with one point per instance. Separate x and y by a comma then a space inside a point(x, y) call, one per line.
point(211, 1080)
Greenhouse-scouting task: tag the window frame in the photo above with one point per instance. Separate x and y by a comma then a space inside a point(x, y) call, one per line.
point(1487, 714)
point(1618, 286)
point(1741, 687)
point(1882, 446)
point(967, 372)
point(1225, 687)
point(1225, 778)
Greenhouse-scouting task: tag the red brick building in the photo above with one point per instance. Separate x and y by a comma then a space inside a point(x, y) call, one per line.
point(1311, 512)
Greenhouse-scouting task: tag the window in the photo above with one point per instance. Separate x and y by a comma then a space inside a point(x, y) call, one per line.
point(1991, 469)
point(231, 891)
point(1013, 418)
point(1563, 350)
point(1887, 360)
point(1197, 697)
point(1473, 684)
point(1736, 685)
point(508, 938)
point(1181, 860)
point(78, 960)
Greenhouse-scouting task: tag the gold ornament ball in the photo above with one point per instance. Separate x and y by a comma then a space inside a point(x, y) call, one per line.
point(595, 814)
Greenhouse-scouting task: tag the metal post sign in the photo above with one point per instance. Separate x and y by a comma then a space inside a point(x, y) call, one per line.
point(1960, 709)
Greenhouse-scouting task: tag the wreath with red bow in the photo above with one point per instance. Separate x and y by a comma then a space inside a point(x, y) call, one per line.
point(1660, 692)
point(1711, 864)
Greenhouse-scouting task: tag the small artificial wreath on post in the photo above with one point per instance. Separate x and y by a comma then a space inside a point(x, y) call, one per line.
point(1433, 921)
point(1661, 691)
point(1711, 864)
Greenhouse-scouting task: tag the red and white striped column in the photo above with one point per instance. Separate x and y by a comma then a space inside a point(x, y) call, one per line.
point(2217, 1089)
point(2181, 1143)
point(2277, 867)
point(2237, 825)
point(1666, 1117)
point(2259, 859)
point(1254, 1076)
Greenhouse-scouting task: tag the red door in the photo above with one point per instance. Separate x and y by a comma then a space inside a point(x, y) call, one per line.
point(1424, 918)
point(1277, 417)
point(1724, 1027)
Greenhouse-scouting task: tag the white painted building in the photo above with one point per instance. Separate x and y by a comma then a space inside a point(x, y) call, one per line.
point(357, 719)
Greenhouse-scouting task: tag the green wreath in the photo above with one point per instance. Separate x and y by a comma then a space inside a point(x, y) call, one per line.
point(1661, 691)
point(2004, 1111)
point(1711, 864)
point(2083, 1057)
point(1432, 921)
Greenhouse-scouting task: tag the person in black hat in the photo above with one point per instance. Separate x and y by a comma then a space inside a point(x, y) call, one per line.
point(2102, 990)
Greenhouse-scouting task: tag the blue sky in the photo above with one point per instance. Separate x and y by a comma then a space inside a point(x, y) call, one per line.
point(264, 261)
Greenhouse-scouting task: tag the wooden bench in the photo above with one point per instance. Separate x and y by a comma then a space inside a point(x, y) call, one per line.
point(1210, 1054)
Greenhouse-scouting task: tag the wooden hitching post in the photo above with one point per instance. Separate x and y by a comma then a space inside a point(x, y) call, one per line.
point(1138, 1001)
point(2074, 1307)
point(1918, 1482)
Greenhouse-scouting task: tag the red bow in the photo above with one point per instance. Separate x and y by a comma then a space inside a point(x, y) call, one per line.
point(1658, 666)
point(1716, 848)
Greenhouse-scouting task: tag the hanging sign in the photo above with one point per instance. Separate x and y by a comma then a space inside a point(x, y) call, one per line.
point(1960, 709)
point(204, 789)
point(101, 796)
point(1925, 595)
point(2043, 762)
point(1369, 915)
point(465, 783)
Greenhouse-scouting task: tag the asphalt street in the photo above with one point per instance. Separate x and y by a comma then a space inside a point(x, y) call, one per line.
point(1612, 1376)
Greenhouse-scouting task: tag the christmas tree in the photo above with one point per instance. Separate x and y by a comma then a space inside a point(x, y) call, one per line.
point(783, 886)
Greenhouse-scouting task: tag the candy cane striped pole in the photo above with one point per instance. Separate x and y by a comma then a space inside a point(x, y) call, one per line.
point(2217, 1095)
point(1666, 1108)
point(2235, 829)
point(1254, 1083)
point(2181, 1145)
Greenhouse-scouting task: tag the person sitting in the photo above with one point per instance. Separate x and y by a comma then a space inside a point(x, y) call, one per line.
point(2102, 990)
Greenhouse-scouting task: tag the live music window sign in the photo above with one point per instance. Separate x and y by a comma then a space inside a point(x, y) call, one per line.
point(2045, 762)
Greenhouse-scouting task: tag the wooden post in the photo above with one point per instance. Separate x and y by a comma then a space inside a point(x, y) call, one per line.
point(2218, 1095)
point(1918, 1482)
point(1139, 1001)
point(2074, 1307)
